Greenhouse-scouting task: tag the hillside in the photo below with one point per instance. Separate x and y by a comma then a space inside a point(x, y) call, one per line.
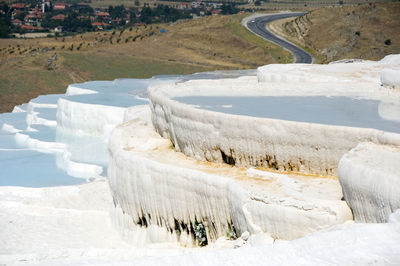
point(32, 67)
point(368, 31)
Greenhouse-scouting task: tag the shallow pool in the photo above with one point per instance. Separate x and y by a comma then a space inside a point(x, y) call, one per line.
point(340, 111)
point(30, 168)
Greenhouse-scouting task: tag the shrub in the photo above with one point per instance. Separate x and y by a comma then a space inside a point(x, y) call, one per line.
point(200, 233)
point(231, 234)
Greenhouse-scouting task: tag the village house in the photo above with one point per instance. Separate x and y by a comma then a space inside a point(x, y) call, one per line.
point(182, 6)
point(58, 17)
point(16, 22)
point(59, 29)
point(103, 15)
point(82, 4)
point(31, 28)
point(100, 25)
point(59, 6)
point(20, 6)
point(31, 19)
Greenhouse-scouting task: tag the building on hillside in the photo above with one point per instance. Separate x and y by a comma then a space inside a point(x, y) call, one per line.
point(16, 22)
point(103, 15)
point(182, 6)
point(37, 12)
point(18, 6)
point(100, 25)
point(31, 19)
point(31, 28)
point(59, 6)
point(58, 17)
point(82, 5)
point(59, 29)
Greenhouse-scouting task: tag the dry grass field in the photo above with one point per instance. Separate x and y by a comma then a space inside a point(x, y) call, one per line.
point(32, 67)
point(368, 31)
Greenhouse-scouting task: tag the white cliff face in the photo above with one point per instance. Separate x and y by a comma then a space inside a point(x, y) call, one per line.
point(88, 119)
point(370, 181)
point(283, 145)
point(155, 186)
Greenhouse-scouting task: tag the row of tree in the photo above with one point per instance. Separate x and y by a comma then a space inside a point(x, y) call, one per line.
point(78, 18)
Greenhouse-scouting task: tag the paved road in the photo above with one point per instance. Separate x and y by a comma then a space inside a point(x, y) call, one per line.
point(258, 26)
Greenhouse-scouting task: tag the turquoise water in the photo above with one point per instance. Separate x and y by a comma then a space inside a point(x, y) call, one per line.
point(21, 165)
point(30, 168)
point(340, 111)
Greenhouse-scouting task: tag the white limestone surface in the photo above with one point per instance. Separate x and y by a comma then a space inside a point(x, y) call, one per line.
point(71, 226)
point(75, 89)
point(284, 145)
point(370, 180)
point(343, 71)
point(390, 77)
point(156, 187)
point(88, 119)
point(350, 244)
point(68, 225)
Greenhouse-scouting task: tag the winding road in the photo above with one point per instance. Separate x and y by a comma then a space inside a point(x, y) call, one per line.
point(257, 25)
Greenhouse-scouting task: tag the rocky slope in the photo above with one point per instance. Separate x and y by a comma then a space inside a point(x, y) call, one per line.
point(368, 31)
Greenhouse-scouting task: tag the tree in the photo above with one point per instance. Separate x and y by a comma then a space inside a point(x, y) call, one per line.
point(5, 23)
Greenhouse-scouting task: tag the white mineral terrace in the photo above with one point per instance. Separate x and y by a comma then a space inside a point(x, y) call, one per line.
point(290, 117)
point(157, 186)
point(86, 177)
point(371, 181)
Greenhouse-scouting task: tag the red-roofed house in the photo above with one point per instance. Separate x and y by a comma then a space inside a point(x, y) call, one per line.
point(182, 6)
point(58, 17)
point(18, 6)
point(31, 19)
point(59, 6)
point(103, 15)
point(16, 22)
point(31, 28)
point(100, 25)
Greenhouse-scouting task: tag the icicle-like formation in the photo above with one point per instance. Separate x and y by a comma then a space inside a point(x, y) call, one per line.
point(370, 180)
point(155, 186)
point(87, 119)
